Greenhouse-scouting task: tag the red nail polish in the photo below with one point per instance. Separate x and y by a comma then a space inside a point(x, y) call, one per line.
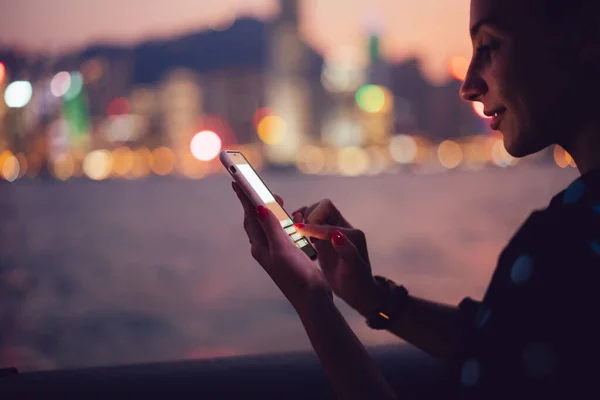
point(338, 238)
point(262, 213)
point(299, 225)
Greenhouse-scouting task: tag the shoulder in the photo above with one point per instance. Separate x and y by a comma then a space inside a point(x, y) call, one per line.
point(562, 239)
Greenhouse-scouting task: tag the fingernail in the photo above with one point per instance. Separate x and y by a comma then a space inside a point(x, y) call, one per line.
point(299, 226)
point(261, 211)
point(338, 238)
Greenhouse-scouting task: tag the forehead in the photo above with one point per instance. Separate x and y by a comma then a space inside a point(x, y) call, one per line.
point(502, 13)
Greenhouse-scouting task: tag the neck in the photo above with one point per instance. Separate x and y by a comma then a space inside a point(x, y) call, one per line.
point(585, 149)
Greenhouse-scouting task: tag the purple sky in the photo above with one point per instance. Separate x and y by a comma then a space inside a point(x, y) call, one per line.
point(432, 29)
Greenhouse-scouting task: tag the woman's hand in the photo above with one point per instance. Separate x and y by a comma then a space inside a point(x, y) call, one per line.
point(289, 267)
point(342, 253)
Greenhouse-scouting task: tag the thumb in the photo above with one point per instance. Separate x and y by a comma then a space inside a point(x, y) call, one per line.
point(346, 249)
point(274, 233)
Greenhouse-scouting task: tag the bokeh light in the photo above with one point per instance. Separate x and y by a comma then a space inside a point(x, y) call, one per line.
point(122, 161)
point(352, 161)
point(75, 86)
point(562, 158)
point(260, 114)
point(22, 161)
point(18, 94)
point(60, 83)
point(205, 145)
point(271, 129)
point(2, 72)
point(403, 149)
point(474, 154)
point(371, 98)
point(9, 166)
point(500, 156)
point(118, 106)
point(34, 164)
point(310, 160)
point(191, 167)
point(142, 163)
point(63, 167)
point(344, 69)
point(164, 161)
point(97, 164)
point(78, 155)
point(478, 107)
point(378, 160)
point(92, 70)
point(459, 67)
point(450, 154)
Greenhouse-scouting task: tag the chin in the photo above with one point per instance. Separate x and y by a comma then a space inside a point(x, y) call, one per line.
point(522, 143)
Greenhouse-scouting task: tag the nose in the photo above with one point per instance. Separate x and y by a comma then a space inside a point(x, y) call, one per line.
point(474, 86)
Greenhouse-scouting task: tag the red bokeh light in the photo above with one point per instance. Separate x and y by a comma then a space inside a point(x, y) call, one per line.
point(118, 106)
point(2, 72)
point(219, 125)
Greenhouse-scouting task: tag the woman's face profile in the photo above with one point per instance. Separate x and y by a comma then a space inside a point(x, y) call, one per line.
point(515, 71)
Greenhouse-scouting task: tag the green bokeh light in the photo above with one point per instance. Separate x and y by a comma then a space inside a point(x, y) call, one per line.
point(370, 98)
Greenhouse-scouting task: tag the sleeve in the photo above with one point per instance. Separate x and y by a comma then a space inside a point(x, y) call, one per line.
point(557, 331)
point(468, 309)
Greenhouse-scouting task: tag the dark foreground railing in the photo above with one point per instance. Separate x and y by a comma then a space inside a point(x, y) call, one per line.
point(274, 376)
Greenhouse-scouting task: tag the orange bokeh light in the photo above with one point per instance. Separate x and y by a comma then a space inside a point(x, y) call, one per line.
point(478, 108)
point(562, 158)
point(260, 114)
point(459, 66)
point(2, 72)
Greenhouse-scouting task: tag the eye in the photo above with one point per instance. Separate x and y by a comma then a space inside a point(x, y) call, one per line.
point(489, 45)
point(486, 50)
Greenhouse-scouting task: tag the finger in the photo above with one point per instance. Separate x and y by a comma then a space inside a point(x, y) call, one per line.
point(325, 212)
point(246, 203)
point(297, 217)
point(279, 199)
point(276, 236)
point(346, 249)
point(301, 210)
point(323, 232)
point(251, 225)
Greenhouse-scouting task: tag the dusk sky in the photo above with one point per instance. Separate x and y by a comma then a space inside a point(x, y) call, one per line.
point(432, 29)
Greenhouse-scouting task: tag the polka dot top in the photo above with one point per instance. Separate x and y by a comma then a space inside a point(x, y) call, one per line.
point(536, 334)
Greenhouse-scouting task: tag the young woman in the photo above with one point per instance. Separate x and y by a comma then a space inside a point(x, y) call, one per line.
point(536, 69)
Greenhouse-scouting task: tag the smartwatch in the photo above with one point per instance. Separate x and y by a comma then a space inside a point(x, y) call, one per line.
point(395, 298)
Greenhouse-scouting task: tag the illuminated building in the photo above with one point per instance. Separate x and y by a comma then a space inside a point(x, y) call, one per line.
point(374, 100)
point(235, 94)
point(180, 100)
point(288, 92)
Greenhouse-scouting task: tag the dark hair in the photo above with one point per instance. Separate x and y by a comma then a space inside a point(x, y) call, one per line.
point(564, 14)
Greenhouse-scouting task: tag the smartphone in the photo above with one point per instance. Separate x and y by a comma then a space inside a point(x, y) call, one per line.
point(259, 194)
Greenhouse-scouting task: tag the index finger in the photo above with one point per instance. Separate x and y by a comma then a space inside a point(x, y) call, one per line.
point(325, 212)
point(322, 232)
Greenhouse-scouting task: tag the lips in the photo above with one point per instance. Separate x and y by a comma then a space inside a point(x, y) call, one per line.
point(497, 115)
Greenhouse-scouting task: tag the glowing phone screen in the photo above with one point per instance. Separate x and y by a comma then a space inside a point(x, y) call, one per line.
point(271, 203)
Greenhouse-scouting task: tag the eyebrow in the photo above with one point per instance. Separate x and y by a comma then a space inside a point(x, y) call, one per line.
point(484, 21)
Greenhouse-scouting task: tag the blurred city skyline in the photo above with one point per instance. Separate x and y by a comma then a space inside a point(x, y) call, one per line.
point(432, 30)
point(168, 106)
